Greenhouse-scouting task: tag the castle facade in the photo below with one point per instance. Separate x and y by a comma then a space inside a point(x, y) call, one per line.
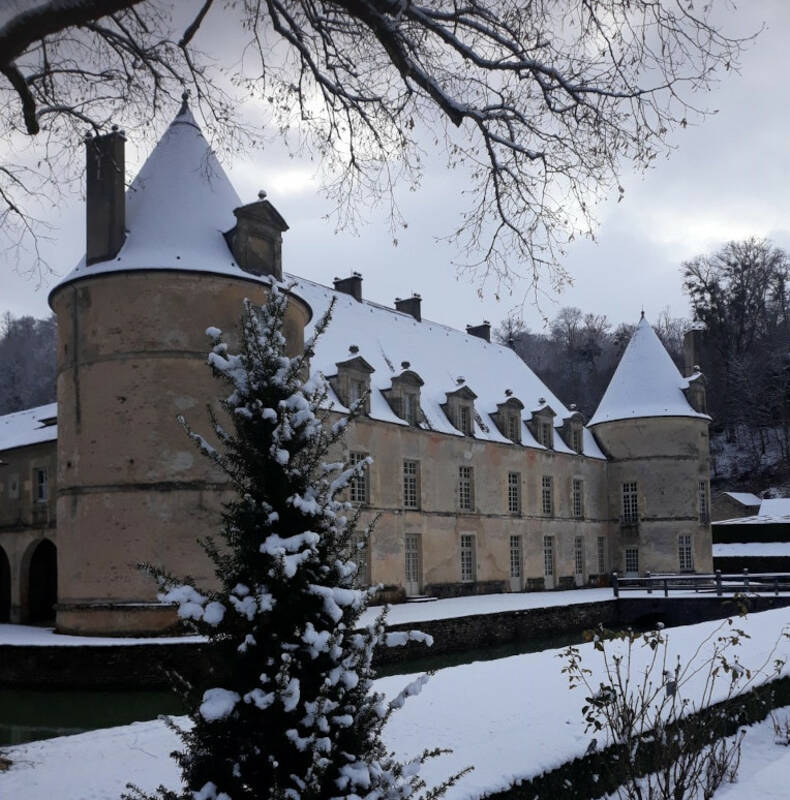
point(482, 480)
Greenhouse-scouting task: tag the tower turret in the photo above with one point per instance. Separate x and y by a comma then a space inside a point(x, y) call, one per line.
point(659, 467)
point(131, 359)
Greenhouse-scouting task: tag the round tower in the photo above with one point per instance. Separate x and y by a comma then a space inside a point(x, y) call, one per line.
point(652, 425)
point(177, 254)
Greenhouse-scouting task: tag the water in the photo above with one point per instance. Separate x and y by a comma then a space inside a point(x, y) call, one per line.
point(27, 715)
point(30, 714)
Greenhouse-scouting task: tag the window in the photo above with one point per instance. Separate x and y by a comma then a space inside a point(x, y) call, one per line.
point(578, 554)
point(512, 427)
point(413, 563)
point(547, 495)
point(576, 439)
point(409, 407)
point(360, 555)
point(630, 503)
point(577, 498)
point(685, 553)
point(13, 487)
point(40, 485)
point(411, 484)
point(704, 516)
point(356, 391)
point(468, 564)
point(515, 556)
point(548, 556)
point(545, 434)
point(466, 489)
point(514, 492)
point(632, 560)
point(358, 486)
point(465, 420)
point(602, 568)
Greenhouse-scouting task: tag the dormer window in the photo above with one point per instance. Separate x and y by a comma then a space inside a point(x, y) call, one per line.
point(542, 425)
point(572, 431)
point(404, 395)
point(460, 409)
point(508, 418)
point(352, 382)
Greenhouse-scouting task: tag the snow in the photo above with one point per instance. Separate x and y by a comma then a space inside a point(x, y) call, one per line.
point(217, 704)
point(745, 498)
point(23, 428)
point(778, 507)
point(511, 718)
point(751, 549)
point(646, 383)
point(31, 636)
point(440, 355)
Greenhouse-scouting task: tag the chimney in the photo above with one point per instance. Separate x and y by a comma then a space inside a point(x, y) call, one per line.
point(256, 241)
point(351, 285)
point(481, 331)
point(105, 207)
point(411, 305)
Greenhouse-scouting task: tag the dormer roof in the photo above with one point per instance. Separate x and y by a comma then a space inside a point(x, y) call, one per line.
point(646, 383)
point(358, 363)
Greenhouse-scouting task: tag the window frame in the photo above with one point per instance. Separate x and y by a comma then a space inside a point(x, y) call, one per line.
point(601, 551)
point(514, 493)
point(703, 506)
point(359, 485)
point(631, 557)
point(466, 488)
point(468, 558)
point(577, 498)
point(629, 502)
point(40, 485)
point(547, 495)
point(685, 552)
point(411, 483)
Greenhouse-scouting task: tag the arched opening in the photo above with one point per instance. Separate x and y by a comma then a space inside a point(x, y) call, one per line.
point(43, 583)
point(5, 587)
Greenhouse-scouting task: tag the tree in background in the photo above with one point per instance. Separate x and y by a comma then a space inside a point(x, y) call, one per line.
point(27, 362)
point(287, 710)
point(539, 102)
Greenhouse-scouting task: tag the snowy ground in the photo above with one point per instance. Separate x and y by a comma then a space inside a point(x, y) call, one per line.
point(510, 718)
point(398, 614)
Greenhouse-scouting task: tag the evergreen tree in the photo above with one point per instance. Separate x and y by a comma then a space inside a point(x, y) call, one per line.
point(295, 715)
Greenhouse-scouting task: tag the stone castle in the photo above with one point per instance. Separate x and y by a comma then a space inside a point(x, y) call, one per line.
point(482, 479)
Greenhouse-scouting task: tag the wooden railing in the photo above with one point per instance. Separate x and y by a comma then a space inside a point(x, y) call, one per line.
point(713, 583)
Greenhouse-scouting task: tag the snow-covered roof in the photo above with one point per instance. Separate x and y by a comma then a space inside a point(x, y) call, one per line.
point(177, 209)
point(772, 511)
point(441, 356)
point(744, 498)
point(646, 383)
point(31, 426)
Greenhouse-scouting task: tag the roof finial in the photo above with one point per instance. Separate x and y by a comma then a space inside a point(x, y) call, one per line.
point(262, 194)
point(643, 313)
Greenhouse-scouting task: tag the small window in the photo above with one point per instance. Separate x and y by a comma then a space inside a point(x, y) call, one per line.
point(411, 484)
point(514, 492)
point(465, 420)
point(13, 487)
point(704, 515)
point(515, 556)
point(546, 434)
point(468, 561)
point(360, 555)
point(466, 489)
point(40, 485)
point(632, 560)
point(577, 498)
point(685, 553)
point(578, 554)
point(602, 560)
point(409, 407)
point(630, 503)
point(547, 495)
point(548, 556)
point(513, 428)
point(576, 439)
point(356, 391)
point(358, 486)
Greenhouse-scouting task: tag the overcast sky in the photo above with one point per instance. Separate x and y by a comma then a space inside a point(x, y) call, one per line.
point(728, 179)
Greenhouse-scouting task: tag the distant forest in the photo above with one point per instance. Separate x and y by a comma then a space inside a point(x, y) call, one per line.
point(739, 295)
point(27, 362)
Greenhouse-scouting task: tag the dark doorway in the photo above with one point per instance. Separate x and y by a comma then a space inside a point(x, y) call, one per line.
point(43, 583)
point(5, 587)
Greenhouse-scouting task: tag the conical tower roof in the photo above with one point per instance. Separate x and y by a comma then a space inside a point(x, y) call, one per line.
point(646, 383)
point(177, 209)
